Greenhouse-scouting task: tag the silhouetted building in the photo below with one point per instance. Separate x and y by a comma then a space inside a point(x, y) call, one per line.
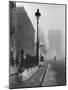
point(55, 42)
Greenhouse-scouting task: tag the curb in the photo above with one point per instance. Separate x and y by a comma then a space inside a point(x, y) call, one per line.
point(43, 76)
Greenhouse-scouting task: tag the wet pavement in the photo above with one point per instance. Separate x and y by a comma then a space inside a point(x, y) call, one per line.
point(34, 81)
point(53, 73)
point(56, 74)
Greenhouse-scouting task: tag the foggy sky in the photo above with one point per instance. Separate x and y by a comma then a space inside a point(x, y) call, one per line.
point(52, 18)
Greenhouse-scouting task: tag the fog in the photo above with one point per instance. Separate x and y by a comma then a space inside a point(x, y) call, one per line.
point(51, 26)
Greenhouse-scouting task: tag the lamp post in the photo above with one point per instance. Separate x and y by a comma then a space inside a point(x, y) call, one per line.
point(37, 14)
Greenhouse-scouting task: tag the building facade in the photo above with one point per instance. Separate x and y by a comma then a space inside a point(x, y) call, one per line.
point(55, 43)
point(23, 38)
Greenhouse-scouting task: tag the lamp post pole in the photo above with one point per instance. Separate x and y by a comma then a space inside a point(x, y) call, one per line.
point(37, 14)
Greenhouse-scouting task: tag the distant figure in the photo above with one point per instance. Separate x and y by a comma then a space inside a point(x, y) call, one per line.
point(14, 53)
point(42, 59)
point(22, 52)
point(17, 61)
point(21, 65)
point(55, 58)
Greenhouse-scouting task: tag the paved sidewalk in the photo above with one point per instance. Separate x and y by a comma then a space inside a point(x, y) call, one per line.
point(34, 81)
point(49, 79)
point(28, 73)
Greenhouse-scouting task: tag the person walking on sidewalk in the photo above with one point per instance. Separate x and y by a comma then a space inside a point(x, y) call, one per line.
point(21, 62)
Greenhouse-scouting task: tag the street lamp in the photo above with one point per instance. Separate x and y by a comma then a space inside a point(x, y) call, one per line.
point(37, 14)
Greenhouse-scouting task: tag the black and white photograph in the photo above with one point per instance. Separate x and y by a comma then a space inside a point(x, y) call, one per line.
point(37, 44)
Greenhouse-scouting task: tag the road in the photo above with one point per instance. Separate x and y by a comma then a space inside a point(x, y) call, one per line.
point(56, 74)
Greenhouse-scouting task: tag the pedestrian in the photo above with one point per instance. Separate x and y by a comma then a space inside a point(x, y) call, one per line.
point(14, 54)
point(22, 65)
point(55, 58)
point(17, 59)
